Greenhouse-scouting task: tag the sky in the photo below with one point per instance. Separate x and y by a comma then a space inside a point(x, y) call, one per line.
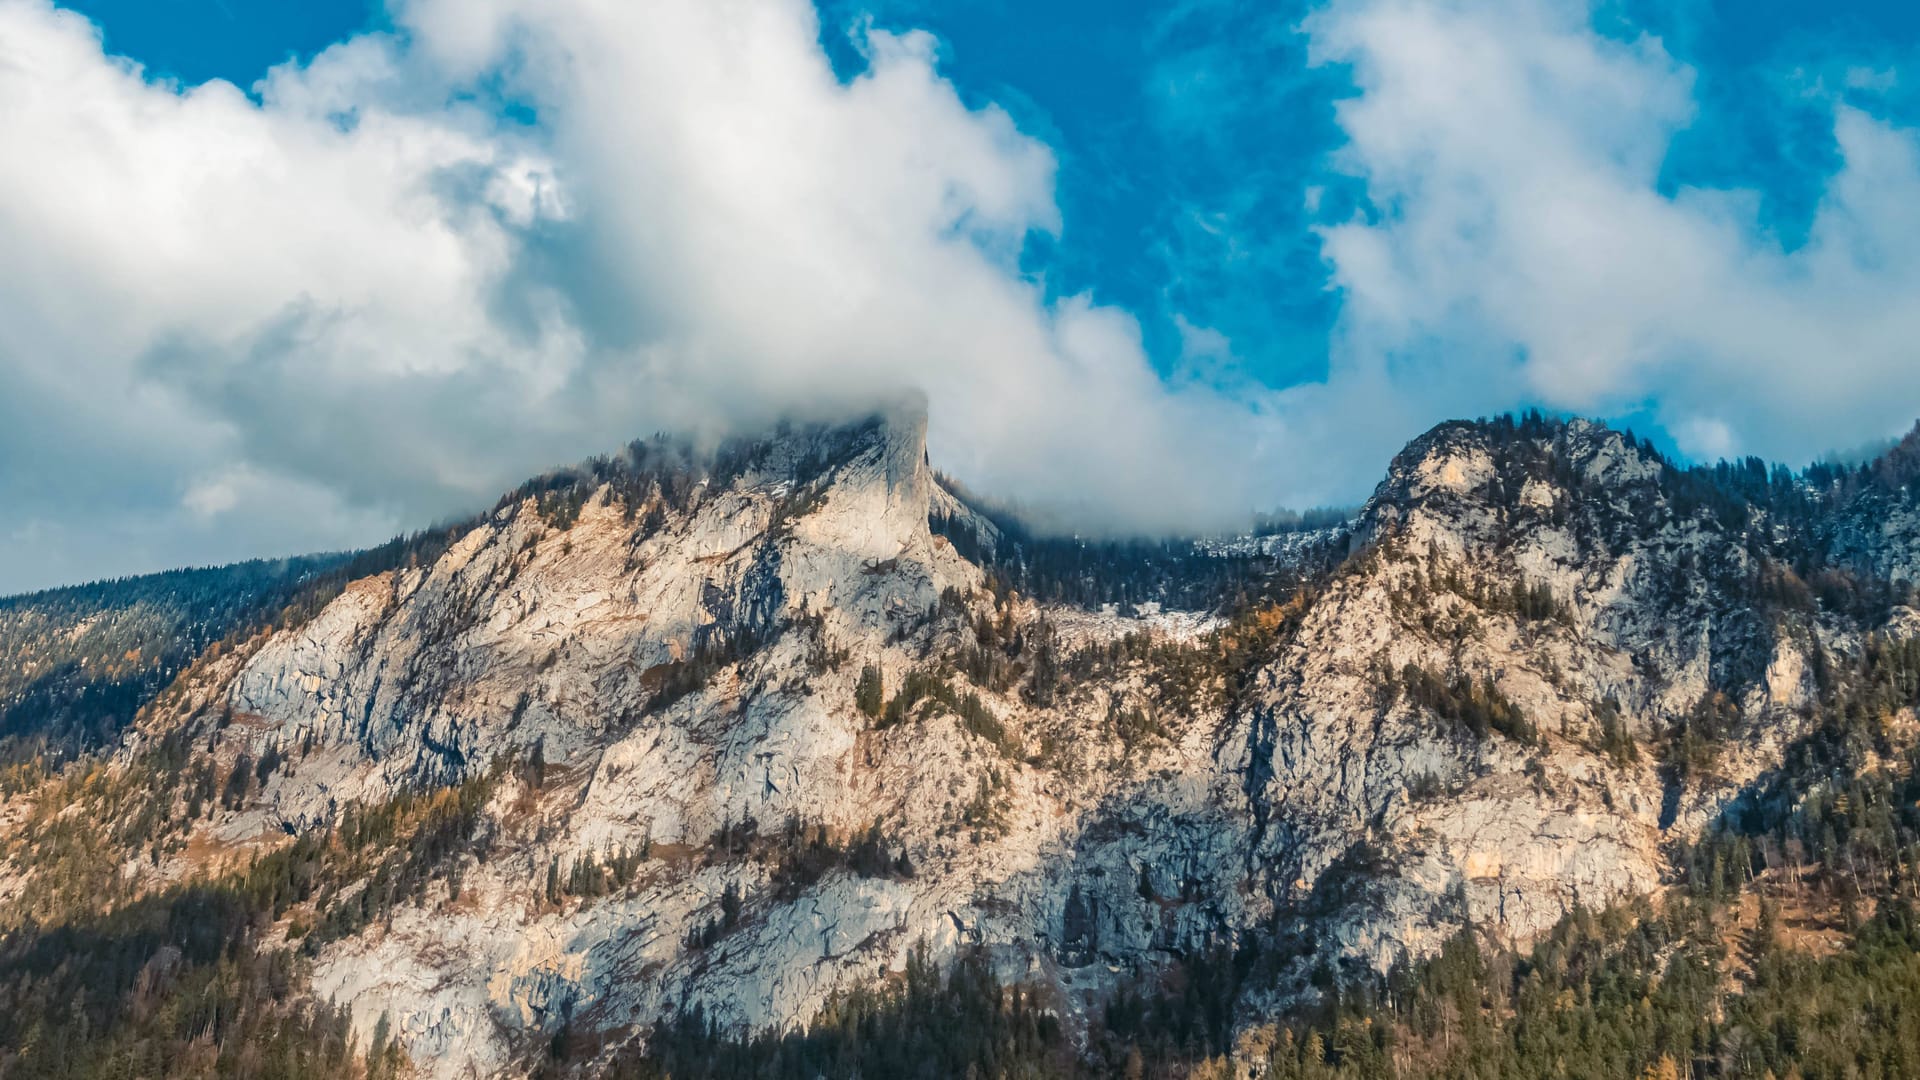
point(281, 277)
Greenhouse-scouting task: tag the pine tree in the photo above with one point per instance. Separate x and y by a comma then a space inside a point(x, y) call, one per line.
point(870, 693)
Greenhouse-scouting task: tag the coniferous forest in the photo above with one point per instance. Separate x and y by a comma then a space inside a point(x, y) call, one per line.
point(77, 663)
point(1786, 943)
point(958, 540)
point(1789, 947)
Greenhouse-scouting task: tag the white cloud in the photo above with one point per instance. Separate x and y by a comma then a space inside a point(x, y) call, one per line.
point(355, 289)
point(1514, 155)
point(214, 495)
point(360, 299)
point(168, 247)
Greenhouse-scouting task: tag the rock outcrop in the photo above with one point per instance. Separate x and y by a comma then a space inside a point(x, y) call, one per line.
point(1536, 659)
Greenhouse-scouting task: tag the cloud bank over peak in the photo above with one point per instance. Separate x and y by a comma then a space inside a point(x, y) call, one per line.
point(380, 286)
point(364, 286)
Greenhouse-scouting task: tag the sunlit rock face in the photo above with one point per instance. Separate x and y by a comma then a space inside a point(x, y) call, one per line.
point(1446, 714)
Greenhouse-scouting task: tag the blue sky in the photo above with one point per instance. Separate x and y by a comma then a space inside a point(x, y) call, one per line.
point(1157, 266)
point(1187, 133)
point(1151, 112)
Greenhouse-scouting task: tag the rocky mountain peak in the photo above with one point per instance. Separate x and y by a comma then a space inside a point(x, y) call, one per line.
point(1509, 461)
point(1487, 486)
point(594, 596)
point(734, 731)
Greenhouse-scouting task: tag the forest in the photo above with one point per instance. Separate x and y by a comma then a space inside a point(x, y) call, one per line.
point(77, 663)
point(1789, 947)
point(1088, 572)
point(1786, 944)
point(206, 977)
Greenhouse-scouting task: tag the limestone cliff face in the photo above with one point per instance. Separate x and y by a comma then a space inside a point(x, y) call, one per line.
point(1454, 722)
point(1557, 573)
point(524, 634)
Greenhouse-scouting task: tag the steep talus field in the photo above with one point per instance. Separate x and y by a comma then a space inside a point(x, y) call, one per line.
point(684, 746)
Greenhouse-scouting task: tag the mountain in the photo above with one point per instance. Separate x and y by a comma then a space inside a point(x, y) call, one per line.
point(680, 750)
point(77, 663)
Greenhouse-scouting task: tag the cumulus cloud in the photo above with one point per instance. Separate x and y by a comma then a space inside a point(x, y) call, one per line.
point(346, 285)
point(369, 291)
point(164, 244)
point(1521, 233)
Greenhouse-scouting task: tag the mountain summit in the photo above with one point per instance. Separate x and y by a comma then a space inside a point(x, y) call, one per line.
point(683, 746)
